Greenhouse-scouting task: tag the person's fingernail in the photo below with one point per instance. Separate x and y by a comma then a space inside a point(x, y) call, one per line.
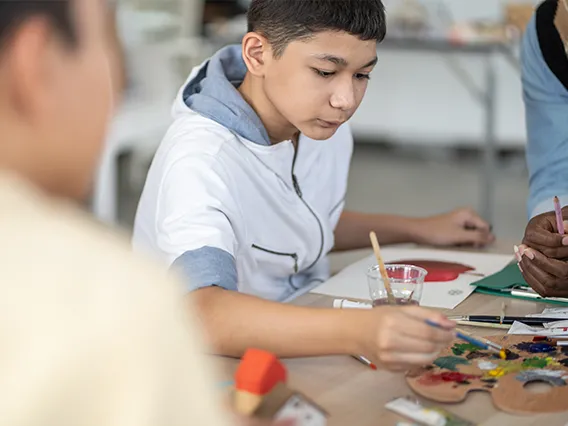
point(517, 253)
point(520, 267)
point(529, 253)
point(565, 241)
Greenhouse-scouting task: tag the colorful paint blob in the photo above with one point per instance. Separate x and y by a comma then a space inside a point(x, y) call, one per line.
point(461, 348)
point(511, 356)
point(476, 355)
point(538, 347)
point(487, 365)
point(431, 379)
point(537, 362)
point(450, 362)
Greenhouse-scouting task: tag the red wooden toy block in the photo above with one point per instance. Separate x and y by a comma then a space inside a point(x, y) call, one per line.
point(258, 372)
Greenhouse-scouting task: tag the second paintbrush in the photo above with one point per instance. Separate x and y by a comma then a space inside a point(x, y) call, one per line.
point(503, 320)
point(482, 344)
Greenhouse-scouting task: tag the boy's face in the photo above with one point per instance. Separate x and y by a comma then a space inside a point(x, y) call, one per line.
point(61, 98)
point(318, 84)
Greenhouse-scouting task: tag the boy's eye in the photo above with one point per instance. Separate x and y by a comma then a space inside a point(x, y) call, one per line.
point(324, 74)
point(362, 76)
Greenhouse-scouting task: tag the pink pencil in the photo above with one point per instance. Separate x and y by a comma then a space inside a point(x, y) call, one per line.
point(559, 218)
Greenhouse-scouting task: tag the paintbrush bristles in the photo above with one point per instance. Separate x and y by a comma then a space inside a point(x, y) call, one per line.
point(382, 269)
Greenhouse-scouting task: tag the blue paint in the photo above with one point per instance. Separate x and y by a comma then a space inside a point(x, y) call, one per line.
point(536, 347)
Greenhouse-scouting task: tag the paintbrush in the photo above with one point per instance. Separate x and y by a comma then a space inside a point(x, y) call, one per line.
point(480, 343)
point(489, 319)
point(470, 323)
point(382, 269)
point(559, 217)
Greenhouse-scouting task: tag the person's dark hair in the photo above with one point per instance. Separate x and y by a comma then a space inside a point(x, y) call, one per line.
point(283, 21)
point(15, 12)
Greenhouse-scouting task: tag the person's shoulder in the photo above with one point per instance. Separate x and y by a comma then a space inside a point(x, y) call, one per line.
point(59, 241)
point(193, 133)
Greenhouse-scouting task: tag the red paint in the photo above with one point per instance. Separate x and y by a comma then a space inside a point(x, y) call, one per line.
point(445, 377)
point(438, 271)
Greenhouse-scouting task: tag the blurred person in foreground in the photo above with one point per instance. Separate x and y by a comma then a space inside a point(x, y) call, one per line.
point(90, 335)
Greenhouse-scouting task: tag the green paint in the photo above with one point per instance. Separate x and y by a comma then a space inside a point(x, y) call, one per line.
point(450, 362)
point(536, 362)
point(461, 348)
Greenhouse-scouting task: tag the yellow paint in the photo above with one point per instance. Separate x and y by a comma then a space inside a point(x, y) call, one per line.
point(503, 354)
point(552, 362)
point(504, 369)
point(510, 367)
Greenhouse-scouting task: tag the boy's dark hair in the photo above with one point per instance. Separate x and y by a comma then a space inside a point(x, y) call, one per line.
point(14, 12)
point(283, 21)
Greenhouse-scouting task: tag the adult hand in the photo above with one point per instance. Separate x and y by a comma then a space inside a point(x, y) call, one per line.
point(543, 256)
point(459, 227)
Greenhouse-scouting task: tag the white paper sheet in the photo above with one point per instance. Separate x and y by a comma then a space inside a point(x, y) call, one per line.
point(520, 328)
point(352, 281)
point(560, 313)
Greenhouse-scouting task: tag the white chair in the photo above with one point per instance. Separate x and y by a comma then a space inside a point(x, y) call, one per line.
point(153, 65)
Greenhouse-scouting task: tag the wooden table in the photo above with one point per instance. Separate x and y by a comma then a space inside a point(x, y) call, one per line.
point(355, 395)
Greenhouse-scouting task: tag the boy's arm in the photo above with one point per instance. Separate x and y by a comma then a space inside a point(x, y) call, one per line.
point(461, 226)
point(236, 322)
point(393, 337)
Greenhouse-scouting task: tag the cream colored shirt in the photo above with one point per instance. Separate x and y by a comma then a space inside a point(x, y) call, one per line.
point(89, 335)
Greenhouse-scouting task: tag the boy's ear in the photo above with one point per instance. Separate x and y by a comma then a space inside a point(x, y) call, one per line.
point(255, 53)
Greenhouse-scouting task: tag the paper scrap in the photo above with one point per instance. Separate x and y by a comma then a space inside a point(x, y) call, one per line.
point(520, 328)
point(559, 313)
point(556, 324)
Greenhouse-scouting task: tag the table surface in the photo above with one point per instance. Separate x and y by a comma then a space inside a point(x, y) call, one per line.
point(356, 395)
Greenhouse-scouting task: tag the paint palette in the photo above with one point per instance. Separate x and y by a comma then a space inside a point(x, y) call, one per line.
point(463, 368)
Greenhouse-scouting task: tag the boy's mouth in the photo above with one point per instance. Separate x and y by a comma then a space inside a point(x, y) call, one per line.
point(329, 124)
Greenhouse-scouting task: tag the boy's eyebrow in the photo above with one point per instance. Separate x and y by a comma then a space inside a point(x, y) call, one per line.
point(337, 60)
point(333, 59)
point(371, 63)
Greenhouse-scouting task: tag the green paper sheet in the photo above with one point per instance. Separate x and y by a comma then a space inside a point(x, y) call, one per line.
point(508, 278)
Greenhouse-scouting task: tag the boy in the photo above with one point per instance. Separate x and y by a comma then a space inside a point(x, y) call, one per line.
point(90, 335)
point(246, 193)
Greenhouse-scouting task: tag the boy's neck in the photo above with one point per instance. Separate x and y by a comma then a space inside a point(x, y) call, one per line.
point(278, 128)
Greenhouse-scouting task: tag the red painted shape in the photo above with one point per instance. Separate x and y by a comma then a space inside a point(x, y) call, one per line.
point(258, 372)
point(438, 271)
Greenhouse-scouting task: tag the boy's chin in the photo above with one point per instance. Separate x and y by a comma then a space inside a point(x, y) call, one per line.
point(318, 133)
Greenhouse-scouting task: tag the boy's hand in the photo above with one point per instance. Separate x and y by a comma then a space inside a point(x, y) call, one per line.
point(401, 339)
point(459, 227)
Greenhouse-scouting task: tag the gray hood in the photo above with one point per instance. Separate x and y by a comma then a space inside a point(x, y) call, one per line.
point(212, 92)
